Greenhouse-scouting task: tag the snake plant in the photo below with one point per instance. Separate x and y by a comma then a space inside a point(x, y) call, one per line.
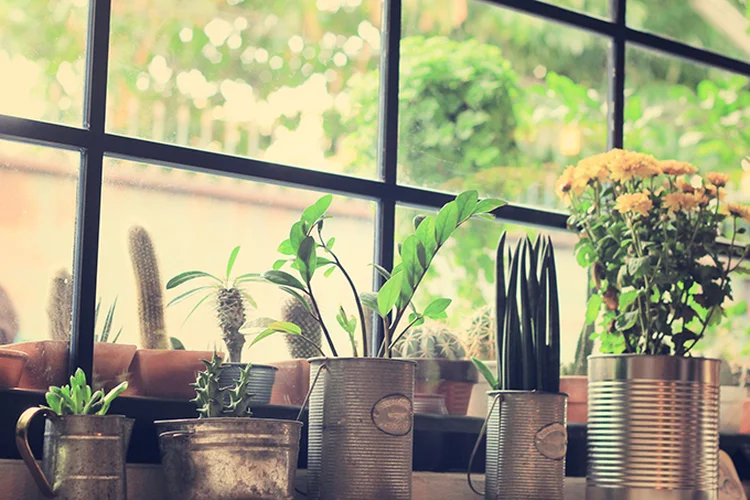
point(527, 333)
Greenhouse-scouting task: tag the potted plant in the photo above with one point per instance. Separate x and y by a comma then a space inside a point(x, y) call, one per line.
point(84, 448)
point(444, 377)
point(528, 462)
point(224, 453)
point(229, 301)
point(361, 412)
point(479, 340)
point(11, 367)
point(650, 230)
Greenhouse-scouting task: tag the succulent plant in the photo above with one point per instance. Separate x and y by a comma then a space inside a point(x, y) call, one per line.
point(78, 398)
point(479, 335)
point(293, 311)
point(527, 336)
point(215, 401)
point(430, 341)
point(150, 296)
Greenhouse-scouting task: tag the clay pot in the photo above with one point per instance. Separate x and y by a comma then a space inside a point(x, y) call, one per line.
point(47, 363)
point(165, 374)
point(451, 378)
point(111, 363)
point(292, 382)
point(11, 367)
point(577, 389)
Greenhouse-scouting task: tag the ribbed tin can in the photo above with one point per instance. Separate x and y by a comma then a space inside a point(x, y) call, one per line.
point(360, 429)
point(653, 428)
point(260, 383)
point(229, 458)
point(527, 440)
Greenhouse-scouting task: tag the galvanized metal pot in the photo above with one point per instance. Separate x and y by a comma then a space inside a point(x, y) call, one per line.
point(229, 458)
point(527, 440)
point(360, 429)
point(653, 428)
point(84, 455)
point(260, 383)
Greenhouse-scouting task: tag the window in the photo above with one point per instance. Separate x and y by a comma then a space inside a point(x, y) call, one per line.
point(211, 124)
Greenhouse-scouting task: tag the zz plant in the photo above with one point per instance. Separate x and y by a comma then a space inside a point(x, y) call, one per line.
point(78, 398)
point(527, 332)
point(309, 253)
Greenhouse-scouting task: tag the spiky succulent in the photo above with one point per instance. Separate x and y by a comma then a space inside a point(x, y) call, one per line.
point(215, 401)
point(430, 341)
point(230, 300)
point(479, 335)
point(527, 334)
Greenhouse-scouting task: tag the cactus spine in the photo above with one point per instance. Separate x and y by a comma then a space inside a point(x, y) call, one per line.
point(215, 401)
point(60, 307)
point(150, 298)
point(430, 342)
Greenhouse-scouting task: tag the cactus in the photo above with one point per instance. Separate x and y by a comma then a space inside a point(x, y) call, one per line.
point(215, 401)
point(230, 311)
point(60, 306)
point(479, 335)
point(150, 298)
point(430, 342)
point(293, 311)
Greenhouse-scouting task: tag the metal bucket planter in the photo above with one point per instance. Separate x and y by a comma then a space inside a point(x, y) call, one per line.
point(360, 429)
point(260, 384)
point(229, 458)
point(526, 444)
point(653, 429)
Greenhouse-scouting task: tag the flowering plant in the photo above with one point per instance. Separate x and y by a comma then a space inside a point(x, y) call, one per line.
point(648, 230)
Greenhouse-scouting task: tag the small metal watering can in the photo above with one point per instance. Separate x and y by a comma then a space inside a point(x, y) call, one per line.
point(84, 455)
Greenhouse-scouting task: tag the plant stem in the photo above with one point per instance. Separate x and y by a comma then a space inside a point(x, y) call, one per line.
point(320, 320)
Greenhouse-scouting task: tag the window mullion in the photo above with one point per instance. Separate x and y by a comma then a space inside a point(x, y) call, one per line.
point(616, 76)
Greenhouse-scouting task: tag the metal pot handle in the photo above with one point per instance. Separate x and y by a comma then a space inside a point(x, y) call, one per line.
point(22, 443)
point(498, 397)
point(309, 391)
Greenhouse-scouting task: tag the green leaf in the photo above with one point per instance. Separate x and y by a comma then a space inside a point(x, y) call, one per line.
point(627, 297)
point(285, 248)
point(330, 243)
point(265, 333)
point(585, 253)
point(248, 277)
point(176, 344)
point(626, 320)
point(296, 235)
point(426, 234)
point(187, 276)
point(329, 271)
point(196, 306)
point(284, 279)
point(488, 205)
point(382, 271)
point(446, 222)
point(370, 301)
point(637, 266)
point(592, 308)
point(466, 202)
point(187, 294)
point(410, 260)
point(437, 307)
point(307, 257)
point(389, 293)
point(232, 258)
point(486, 373)
point(316, 210)
point(279, 264)
point(285, 327)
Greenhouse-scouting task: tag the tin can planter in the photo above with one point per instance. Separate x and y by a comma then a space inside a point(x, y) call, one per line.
point(229, 458)
point(360, 429)
point(260, 384)
point(653, 429)
point(526, 444)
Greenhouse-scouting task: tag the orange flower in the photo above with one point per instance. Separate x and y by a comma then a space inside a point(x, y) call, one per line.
point(738, 210)
point(674, 167)
point(676, 202)
point(639, 203)
point(628, 165)
point(568, 182)
point(717, 179)
point(685, 187)
point(712, 191)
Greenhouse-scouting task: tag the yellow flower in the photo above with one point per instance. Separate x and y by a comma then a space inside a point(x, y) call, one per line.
point(712, 191)
point(717, 179)
point(676, 202)
point(738, 210)
point(685, 187)
point(674, 167)
point(566, 182)
point(639, 203)
point(628, 165)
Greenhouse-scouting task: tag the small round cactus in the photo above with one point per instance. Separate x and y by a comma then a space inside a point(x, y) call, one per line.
point(430, 341)
point(479, 335)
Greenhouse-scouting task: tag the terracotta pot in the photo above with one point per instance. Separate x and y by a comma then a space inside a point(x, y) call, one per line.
point(451, 378)
point(111, 363)
point(292, 382)
point(745, 423)
point(47, 364)
point(165, 374)
point(577, 389)
point(11, 367)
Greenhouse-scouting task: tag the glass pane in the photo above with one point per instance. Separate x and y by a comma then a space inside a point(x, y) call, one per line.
point(268, 80)
point(43, 47)
point(497, 101)
point(464, 272)
point(201, 219)
point(38, 188)
point(716, 25)
point(598, 8)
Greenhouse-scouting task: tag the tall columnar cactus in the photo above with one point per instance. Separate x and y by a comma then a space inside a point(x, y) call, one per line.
point(430, 342)
point(215, 401)
point(150, 297)
point(230, 310)
point(293, 311)
point(60, 306)
point(479, 335)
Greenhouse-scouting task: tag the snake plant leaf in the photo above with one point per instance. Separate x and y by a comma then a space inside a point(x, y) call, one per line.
point(553, 361)
point(514, 370)
point(232, 259)
point(189, 275)
point(446, 222)
point(500, 302)
point(528, 364)
point(486, 373)
point(466, 202)
point(540, 325)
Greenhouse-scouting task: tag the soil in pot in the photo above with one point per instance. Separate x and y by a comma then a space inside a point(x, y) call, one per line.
point(47, 363)
point(11, 367)
point(111, 363)
point(165, 374)
point(577, 389)
point(292, 382)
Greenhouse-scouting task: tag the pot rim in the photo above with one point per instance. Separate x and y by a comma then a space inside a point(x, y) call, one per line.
point(12, 353)
point(258, 365)
point(98, 417)
point(670, 356)
point(228, 420)
point(360, 358)
point(517, 391)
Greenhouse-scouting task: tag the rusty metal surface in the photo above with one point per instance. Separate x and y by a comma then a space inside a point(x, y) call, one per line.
point(229, 458)
point(361, 429)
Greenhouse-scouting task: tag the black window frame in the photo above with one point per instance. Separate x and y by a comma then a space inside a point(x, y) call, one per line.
point(93, 142)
